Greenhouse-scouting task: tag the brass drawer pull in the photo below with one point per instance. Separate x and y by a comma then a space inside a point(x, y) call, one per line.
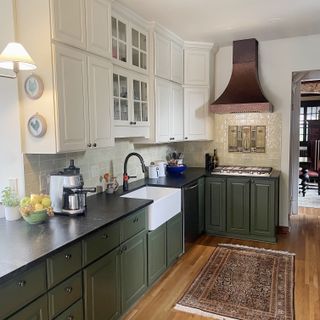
point(70, 317)
point(136, 219)
point(68, 256)
point(68, 290)
point(21, 283)
point(105, 236)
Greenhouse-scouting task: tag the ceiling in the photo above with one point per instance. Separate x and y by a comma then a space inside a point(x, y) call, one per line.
point(222, 21)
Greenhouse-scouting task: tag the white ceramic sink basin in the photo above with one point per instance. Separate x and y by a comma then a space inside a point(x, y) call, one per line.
point(166, 203)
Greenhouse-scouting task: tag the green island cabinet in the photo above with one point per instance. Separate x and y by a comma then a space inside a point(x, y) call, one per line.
point(165, 245)
point(114, 281)
point(242, 207)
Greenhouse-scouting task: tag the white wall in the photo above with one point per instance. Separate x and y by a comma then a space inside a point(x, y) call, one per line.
point(11, 160)
point(277, 60)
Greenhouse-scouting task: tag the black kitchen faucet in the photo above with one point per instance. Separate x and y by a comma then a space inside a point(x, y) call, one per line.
point(125, 174)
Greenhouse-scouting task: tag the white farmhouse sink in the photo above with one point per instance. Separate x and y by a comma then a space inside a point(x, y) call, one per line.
point(166, 203)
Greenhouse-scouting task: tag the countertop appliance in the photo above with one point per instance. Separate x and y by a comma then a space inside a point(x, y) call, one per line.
point(243, 171)
point(68, 196)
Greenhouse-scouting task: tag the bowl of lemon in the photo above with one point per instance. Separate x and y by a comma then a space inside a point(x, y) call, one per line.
point(36, 208)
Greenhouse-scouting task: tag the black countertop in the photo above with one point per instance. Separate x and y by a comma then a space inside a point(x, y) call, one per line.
point(22, 244)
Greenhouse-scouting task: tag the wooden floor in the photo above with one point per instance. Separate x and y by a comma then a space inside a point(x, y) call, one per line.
point(304, 240)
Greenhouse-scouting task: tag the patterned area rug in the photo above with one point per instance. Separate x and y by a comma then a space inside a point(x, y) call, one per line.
point(244, 283)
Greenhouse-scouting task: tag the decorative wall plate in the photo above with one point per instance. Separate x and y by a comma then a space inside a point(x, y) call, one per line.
point(37, 125)
point(33, 87)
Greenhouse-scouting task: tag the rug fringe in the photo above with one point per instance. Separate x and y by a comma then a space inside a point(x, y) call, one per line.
point(255, 248)
point(199, 312)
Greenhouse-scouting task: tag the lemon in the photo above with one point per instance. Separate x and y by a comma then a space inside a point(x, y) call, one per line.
point(35, 198)
point(38, 207)
point(46, 202)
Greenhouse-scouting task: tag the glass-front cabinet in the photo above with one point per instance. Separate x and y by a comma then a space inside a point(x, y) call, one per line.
point(130, 98)
point(129, 44)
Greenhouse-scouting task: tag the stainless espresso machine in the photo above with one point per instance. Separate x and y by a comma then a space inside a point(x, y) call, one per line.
point(68, 196)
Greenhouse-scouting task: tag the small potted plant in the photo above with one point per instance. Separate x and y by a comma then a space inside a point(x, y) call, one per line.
point(10, 201)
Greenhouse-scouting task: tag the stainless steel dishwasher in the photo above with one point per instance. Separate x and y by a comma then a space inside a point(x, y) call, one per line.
point(190, 204)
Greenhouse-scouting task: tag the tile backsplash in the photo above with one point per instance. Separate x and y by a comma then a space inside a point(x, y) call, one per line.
point(92, 163)
point(194, 152)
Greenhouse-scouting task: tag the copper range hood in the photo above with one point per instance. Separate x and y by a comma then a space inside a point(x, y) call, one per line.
point(243, 93)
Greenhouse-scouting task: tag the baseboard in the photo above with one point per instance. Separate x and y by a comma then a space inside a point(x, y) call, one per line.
point(283, 230)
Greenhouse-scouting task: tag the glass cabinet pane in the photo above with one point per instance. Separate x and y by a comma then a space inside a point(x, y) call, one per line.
point(123, 87)
point(135, 38)
point(122, 31)
point(143, 42)
point(144, 94)
point(124, 110)
point(135, 57)
point(144, 111)
point(136, 90)
point(143, 60)
point(122, 52)
point(114, 27)
point(115, 85)
point(114, 49)
point(137, 111)
point(116, 110)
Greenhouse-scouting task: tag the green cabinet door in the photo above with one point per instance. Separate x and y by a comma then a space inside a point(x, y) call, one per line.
point(201, 204)
point(174, 238)
point(37, 310)
point(215, 205)
point(157, 253)
point(102, 288)
point(133, 269)
point(238, 205)
point(263, 208)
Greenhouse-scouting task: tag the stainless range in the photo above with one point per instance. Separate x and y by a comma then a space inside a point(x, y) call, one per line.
point(243, 171)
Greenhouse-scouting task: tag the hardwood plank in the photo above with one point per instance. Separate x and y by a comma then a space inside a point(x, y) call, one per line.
point(303, 239)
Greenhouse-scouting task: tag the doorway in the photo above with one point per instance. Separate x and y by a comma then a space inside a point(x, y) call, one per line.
point(304, 110)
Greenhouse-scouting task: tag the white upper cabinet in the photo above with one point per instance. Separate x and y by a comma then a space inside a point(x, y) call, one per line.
point(71, 98)
point(197, 64)
point(69, 22)
point(129, 44)
point(176, 63)
point(168, 58)
point(85, 24)
point(169, 111)
point(130, 104)
point(100, 103)
point(162, 57)
point(99, 27)
point(197, 121)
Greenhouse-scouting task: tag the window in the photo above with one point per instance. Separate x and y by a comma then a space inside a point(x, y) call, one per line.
point(310, 110)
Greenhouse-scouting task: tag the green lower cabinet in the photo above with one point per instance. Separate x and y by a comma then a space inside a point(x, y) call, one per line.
point(263, 209)
point(102, 288)
point(133, 270)
point(215, 205)
point(157, 253)
point(238, 205)
point(174, 238)
point(201, 197)
point(37, 310)
point(75, 312)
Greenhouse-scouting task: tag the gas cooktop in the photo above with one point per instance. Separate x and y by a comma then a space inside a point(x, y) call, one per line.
point(243, 171)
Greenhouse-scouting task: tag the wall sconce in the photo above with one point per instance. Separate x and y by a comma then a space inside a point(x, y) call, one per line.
point(15, 57)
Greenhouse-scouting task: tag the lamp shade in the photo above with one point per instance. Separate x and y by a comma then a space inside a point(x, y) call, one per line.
point(15, 57)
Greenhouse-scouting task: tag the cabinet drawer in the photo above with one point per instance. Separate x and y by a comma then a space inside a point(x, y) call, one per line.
point(65, 294)
point(37, 310)
point(23, 288)
point(133, 224)
point(75, 312)
point(101, 242)
point(63, 264)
